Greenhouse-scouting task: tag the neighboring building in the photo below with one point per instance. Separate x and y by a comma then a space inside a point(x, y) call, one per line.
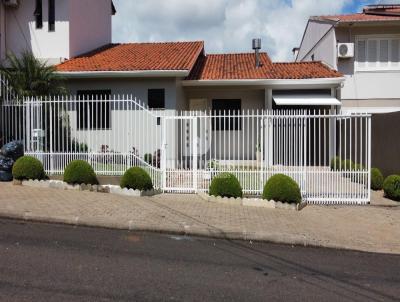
point(54, 30)
point(369, 57)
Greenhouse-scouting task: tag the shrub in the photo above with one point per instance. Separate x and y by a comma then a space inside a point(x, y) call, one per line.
point(80, 172)
point(391, 187)
point(282, 188)
point(137, 179)
point(348, 165)
point(225, 185)
point(376, 179)
point(28, 167)
point(336, 163)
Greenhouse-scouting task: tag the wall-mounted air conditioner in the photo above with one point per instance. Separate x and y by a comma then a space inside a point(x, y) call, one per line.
point(345, 50)
point(10, 3)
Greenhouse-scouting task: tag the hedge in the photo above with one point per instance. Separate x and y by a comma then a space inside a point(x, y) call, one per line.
point(226, 185)
point(80, 172)
point(137, 179)
point(28, 167)
point(282, 188)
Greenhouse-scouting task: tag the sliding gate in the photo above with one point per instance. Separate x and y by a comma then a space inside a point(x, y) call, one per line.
point(325, 152)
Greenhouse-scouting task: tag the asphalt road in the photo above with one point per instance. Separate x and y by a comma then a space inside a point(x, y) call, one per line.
point(41, 262)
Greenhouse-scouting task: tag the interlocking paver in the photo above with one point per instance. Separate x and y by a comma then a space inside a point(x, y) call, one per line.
point(368, 228)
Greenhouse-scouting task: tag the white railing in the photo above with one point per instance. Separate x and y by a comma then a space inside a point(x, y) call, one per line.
point(183, 151)
point(7, 94)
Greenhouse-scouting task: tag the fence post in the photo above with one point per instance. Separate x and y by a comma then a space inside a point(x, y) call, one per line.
point(164, 152)
point(369, 118)
point(51, 139)
point(195, 159)
point(262, 151)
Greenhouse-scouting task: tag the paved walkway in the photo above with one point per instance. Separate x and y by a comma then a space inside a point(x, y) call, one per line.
point(372, 228)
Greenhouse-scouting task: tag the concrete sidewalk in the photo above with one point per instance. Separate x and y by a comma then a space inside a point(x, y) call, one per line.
point(372, 228)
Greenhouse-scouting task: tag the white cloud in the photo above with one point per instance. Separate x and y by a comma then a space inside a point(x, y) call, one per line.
point(225, 25)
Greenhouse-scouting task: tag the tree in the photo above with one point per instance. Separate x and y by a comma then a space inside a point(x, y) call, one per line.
point(28, 76)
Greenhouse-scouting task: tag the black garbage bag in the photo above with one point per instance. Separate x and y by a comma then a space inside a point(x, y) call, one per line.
point(5, 176)
point(14, 150)
point(6, 163)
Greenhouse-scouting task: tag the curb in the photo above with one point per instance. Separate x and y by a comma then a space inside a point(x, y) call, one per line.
point(295, 240)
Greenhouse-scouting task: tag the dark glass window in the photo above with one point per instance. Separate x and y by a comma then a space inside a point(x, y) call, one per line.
point(38, 13)
point(156, 98)
point(227, 107)
point(94, 110)
point(52, 15)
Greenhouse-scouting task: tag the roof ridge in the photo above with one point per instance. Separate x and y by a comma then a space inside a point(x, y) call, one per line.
point(163, 42)
point(234, 53)
point(304, 62)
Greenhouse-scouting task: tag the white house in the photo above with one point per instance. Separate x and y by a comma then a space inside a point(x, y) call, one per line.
point(194, 113)
point(365, 48)
point(54, 30)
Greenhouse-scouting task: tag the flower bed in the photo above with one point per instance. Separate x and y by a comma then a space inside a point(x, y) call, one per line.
point(61, 185)
point(254, 202)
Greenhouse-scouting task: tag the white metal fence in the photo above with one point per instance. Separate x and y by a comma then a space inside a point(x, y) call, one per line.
point(183, 151)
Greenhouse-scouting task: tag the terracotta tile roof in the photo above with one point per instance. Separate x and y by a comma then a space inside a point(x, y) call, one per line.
point(379, 13)
point(242, 66)
point(136, 57)
point(230, 66)
point(304, 70)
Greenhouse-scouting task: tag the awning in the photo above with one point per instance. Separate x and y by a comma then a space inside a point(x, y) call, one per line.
point(305, 100)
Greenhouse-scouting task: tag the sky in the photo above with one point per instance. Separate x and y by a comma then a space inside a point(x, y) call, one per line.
point(226, 26)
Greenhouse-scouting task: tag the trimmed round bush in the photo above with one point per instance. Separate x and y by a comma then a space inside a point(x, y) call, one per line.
point(28, 167)
point(80, 172)
point(137, 179)
point(225, 185)
point(376, 179)
point(348, 165)
point(391, 187)
point(336, 163)
point(282, 188)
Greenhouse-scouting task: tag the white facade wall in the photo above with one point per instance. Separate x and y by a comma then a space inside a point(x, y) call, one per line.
point(22, 35)
point(2, 33)
point(90, 25)
point(81, 26)
point(368, 88)
point(120, 119)
point(319, 40)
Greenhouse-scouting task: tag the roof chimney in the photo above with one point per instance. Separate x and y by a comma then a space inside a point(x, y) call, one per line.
point(257, 47)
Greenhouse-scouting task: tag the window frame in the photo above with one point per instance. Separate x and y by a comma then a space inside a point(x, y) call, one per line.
point(378, 65)
point(231, 123)
point(103, 96)
point(38, 13)
point(52, 15)
point(148, 98)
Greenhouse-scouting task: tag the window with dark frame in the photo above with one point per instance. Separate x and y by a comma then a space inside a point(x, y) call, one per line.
point(156, 98)
point(52, 15)
point(38, 13)
point(231, 107)
point(94, 110)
